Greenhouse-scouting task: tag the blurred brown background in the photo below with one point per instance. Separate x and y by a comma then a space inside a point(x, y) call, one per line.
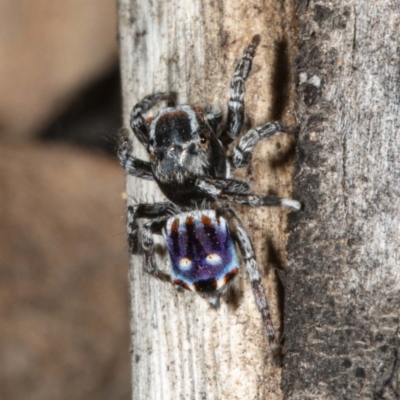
point(64, 320)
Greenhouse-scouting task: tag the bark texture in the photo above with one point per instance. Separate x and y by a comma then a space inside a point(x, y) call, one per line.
point(343, 277)
point(182, 349)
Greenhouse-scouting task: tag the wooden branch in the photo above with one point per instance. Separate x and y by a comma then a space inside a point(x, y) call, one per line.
point(343, 277)
point(181, 348)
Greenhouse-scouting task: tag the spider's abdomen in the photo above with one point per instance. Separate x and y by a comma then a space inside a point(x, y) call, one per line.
point(202, 252)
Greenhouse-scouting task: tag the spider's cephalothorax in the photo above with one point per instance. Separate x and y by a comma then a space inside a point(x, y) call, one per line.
point(191, 163)
point(183, 146)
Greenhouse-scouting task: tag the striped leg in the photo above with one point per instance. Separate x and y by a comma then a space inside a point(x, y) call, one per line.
point(214, 117)
point(132, 165)
point(241, 153)
point(235, 120)
point(242, 237)
point(144, 211)
point(150, 265)
point(254, 200)
point(138, 123)
point(238, 192)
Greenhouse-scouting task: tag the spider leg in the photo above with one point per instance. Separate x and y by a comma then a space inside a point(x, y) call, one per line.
point(239, 192)
point(241, 153)
point(151, 211)
point(228, 185)
point(138, 123)
point(246, 248)
point(255, 200)
point(235, 119)
point(214, 117)
point(132, 165)
point(150, 265)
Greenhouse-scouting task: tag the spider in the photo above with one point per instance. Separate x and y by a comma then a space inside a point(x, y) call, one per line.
point(192, 165)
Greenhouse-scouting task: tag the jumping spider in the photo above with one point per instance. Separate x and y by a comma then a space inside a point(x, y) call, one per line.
point(190, 162)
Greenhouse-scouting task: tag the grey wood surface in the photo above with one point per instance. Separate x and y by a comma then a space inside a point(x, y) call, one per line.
point(182, 349)
point(343, 276)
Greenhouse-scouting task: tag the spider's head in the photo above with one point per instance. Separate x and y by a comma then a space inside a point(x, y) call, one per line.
point(182, 144)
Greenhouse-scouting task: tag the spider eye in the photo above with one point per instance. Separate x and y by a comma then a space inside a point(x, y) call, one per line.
point(151, 142)
point(203, 138)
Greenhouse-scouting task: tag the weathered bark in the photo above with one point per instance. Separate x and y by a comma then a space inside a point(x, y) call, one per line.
point(182, 349)
point(342, 284)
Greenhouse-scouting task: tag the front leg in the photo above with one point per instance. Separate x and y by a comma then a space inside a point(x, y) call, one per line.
point(241, 153)
point(235, 119)
point(132, 165)
point(214, 117)
point(138, 123)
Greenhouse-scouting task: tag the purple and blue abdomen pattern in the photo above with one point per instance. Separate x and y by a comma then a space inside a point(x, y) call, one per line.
point(202, 252)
